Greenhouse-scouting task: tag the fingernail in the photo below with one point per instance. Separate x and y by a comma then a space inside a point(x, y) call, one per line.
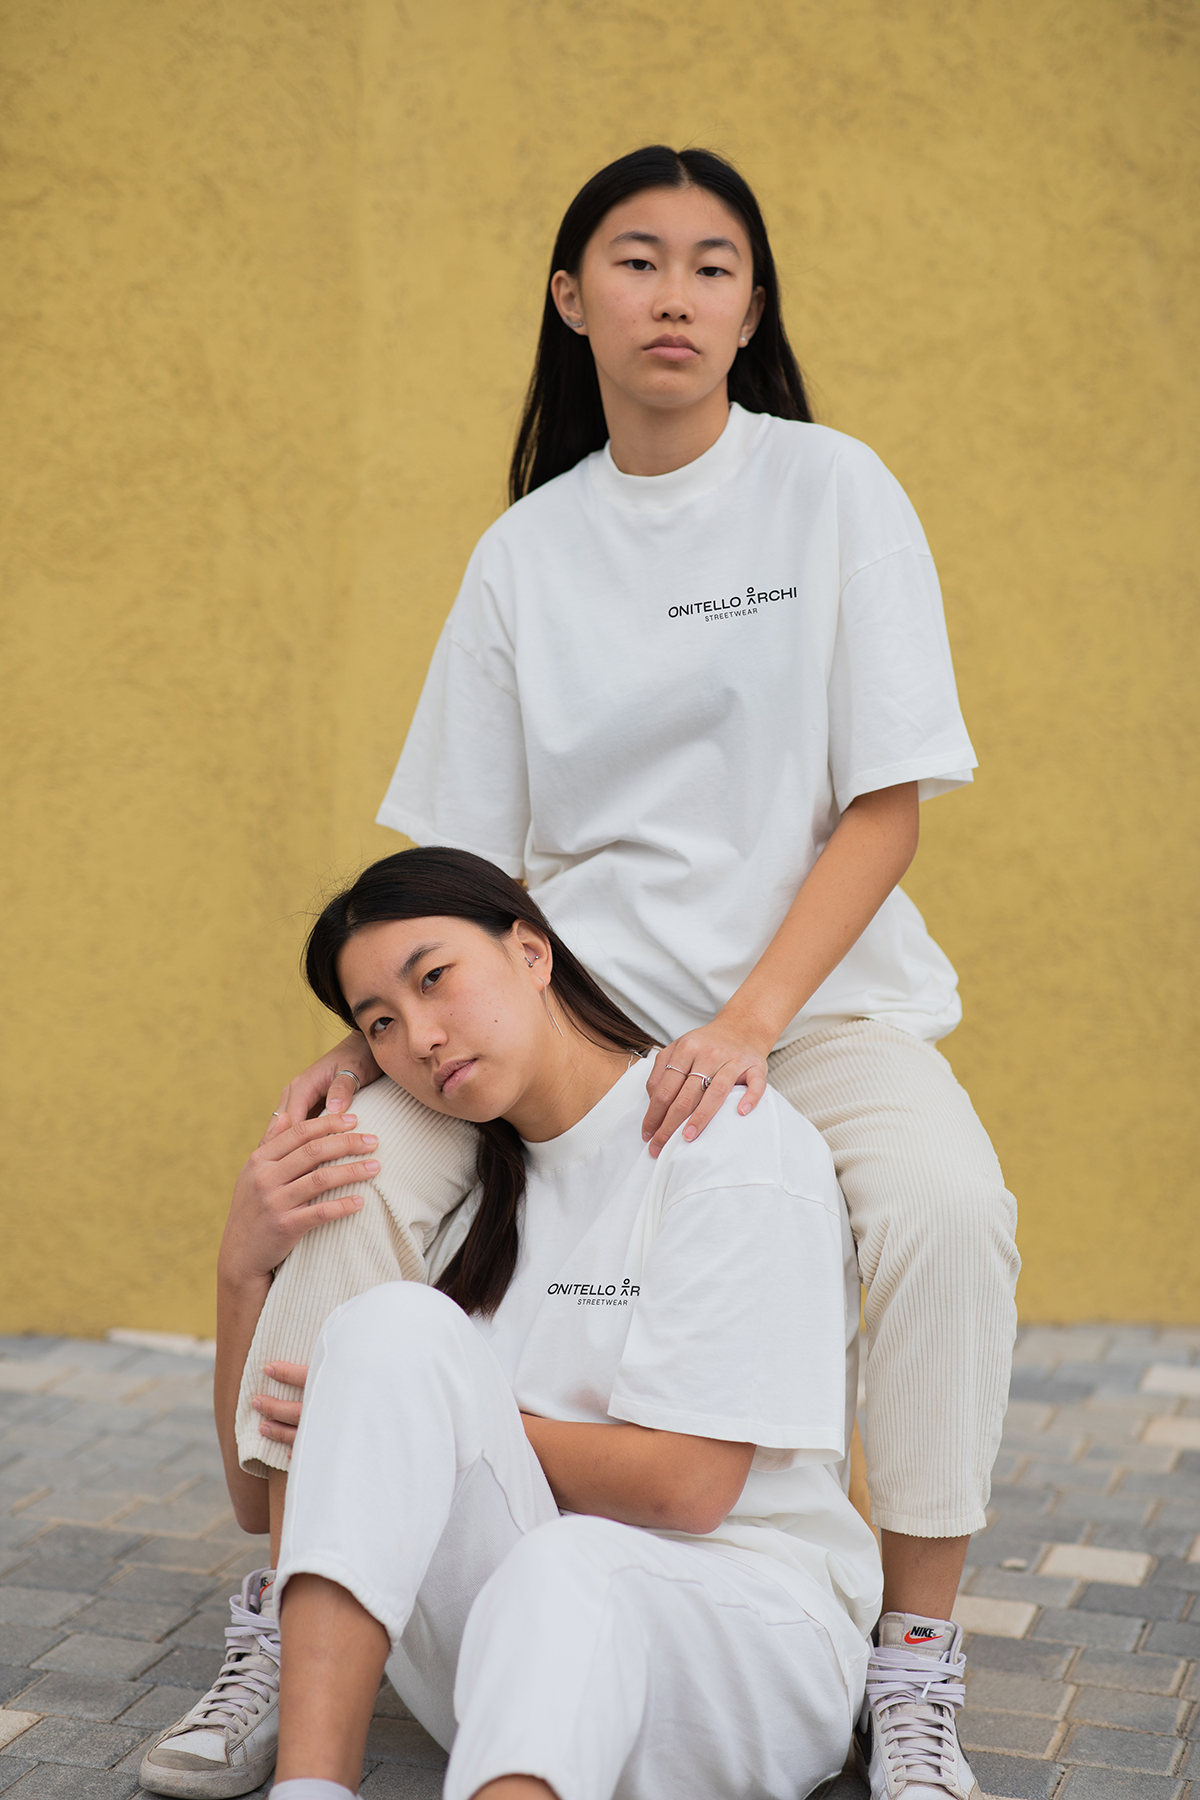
point(370, 1140)
point(373, 1166)
point(356, 1201)
point(264, 1431)
point(689, 1132)
point(646, 1136)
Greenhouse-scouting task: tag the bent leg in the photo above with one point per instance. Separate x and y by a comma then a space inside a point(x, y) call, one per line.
point(427, 1165)
point(934, 1226)
point(412, 1479)
point(603, 1660)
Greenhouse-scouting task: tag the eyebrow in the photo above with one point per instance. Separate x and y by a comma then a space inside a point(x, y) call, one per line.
point(648, 237)
point(403, 974)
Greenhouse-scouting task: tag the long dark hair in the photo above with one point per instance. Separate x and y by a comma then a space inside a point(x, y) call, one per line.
point(563, 419)
point(436, 883)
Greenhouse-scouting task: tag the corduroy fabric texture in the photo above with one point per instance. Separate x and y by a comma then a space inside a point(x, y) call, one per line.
point(932, 1221)
point(933, 1224)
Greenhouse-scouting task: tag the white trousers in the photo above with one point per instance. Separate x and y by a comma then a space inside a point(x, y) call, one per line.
point(932, 1221)
point(601, 1658)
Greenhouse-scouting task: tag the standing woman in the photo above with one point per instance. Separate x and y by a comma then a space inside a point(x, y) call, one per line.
point(694, 685)
point(692, 690)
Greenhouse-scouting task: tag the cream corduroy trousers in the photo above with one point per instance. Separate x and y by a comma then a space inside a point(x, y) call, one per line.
point(932, 1221)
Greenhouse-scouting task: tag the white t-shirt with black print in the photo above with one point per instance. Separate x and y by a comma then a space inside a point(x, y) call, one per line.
point(655, 696)
point(706, 1293)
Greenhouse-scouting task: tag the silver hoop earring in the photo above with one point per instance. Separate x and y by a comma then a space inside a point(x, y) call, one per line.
point(575, 324)
point(549, 1014)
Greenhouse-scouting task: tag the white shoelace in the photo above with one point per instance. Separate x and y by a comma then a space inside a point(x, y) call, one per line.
point(249, 1674)
point(915, 1700)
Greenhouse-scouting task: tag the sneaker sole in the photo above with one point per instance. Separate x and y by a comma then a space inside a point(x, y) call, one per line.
point(192, 1784)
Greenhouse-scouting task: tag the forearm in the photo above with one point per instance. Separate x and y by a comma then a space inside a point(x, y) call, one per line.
point(873, 845)
point(663, 1480)
point(239, 1306)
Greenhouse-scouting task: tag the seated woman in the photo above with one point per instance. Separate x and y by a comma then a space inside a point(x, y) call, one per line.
point(590, 1516)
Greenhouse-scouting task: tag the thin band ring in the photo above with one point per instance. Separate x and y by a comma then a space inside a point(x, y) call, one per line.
point(688, 1073)
point(351, 1074)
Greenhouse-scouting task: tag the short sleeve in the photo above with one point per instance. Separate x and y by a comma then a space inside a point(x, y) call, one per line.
point(462, 778)
point(893, 705)
point(739, 1331)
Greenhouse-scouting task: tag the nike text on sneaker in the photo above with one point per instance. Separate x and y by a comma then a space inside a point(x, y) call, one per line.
point(226, 1744)
point(907, 1744)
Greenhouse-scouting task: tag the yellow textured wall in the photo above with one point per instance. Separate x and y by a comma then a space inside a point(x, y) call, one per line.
point(270, 287)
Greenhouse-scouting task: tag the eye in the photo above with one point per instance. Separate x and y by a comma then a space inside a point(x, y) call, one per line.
point(377, 1027)
point(712, 269)
point(638, 262)
point(432, 976)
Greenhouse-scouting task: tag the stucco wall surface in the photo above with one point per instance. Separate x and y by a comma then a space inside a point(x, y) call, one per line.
point(270, 284)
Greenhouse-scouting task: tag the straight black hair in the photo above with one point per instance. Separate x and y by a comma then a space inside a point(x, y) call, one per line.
point(437, 883)
point(563, 419)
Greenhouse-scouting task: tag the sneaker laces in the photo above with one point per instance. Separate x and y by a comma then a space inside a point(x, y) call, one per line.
point(914, 1700)
point(248, 1675)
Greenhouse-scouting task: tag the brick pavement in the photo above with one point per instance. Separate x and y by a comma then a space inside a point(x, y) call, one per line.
point(117, 1550)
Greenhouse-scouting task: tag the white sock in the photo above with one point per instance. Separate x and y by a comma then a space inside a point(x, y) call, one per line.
point(309, 1787)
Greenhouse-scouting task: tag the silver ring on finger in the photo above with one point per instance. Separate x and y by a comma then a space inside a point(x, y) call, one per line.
point(351, 1074)
point(705, 1080)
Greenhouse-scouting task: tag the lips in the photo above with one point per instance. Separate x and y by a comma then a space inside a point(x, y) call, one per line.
point(452, 1074)
point(673, 349)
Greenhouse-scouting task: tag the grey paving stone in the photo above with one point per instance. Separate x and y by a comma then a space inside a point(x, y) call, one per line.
point(129, 1618)
point(186, 1517)
point(1102, 1629)
point(398, 1781)
point(162, 1587)
point(80, 1696)
point(1110, 1784)
point(1007, 1584)
point(15, 1532)
point(23, 1643)
point(38, 1606)
point(86, 1540)
point(1047, 1445)
point(12, 1769)
point(1012, 1777)
point(1021, 1506)
point(1182, 1513)
point(1000, 1544)
point(70, 1574)
point(1103, 1508)
point(86, 1653)
point(403, 1740)
point(205, 1629)
point(82, 1506)
point(388, 1704)
point(50, 1781)
point(14, 1680)
point(1172, 1571)
point(1133, 1456)
point(1023, 1732)
point(161, 1706)
point(77, 1741)
point(189, 1668)
point(1141, 1603)
point(1175, 1640)
point(1018, 1656)
point(1176, 1485)
point(178, 1553)
point(1155, 1540)
point(1100, 1667)
point(1118, 1706)
point(1122, 1749)
point(1095, 1477)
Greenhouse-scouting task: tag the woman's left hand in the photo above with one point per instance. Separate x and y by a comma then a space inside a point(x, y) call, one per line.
point(678, 1096)
point(281, 1417)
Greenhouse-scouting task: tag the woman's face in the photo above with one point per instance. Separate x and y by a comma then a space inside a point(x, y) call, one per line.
point(451, 1013)
point(664, 294)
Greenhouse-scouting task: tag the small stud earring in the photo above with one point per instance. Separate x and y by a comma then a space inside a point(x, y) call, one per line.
point(529, 962)
point(743, 341)
point(575, 324)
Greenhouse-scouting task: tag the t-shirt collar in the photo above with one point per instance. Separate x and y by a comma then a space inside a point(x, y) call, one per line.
point(662, 493)
point(595, 1127)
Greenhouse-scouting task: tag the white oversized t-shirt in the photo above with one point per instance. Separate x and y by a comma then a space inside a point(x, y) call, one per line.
point(655, 696)
point(703, 1293)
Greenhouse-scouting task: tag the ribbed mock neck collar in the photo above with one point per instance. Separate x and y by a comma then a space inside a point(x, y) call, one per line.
point(663, 493)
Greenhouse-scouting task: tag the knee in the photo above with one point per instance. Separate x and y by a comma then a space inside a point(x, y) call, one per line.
point(399, 1320)
point(948, 1218)
point(560, 1558)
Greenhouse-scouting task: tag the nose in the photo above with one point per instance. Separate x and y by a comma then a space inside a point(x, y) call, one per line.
point(671, 303)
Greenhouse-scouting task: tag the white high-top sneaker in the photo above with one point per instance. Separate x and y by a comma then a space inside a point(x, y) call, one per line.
point(906, 1745)
point(226, 1744)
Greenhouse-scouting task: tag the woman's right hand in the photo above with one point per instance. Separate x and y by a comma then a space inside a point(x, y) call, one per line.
point(322, 1087)
point(277, 1197)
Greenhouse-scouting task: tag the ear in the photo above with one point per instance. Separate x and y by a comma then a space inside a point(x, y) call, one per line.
point(754, 312)
point(533, 947)
point(564, 291)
